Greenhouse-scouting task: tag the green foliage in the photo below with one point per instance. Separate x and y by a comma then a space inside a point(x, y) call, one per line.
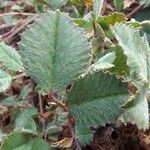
point(136, 54)
point(63, 59)
point(10, 58)
point(138, 60)
point(106, 21)
point(137, 109)
point(5, 81)
point(88, 79)
point(146, 3)
point(96, 99)
point(98, 4)
point(84, 135)
point(54, 4)
point(25, 123)
point(13, 101)
point(21, 141)
point(118, 4)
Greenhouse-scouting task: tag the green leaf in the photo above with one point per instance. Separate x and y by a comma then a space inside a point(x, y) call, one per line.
point(10, 58)
point(144, 26)
point(98, 5)
point(54, 4)
point(54, 51)
point(2, 136)
point(96, 99)
point(5, 80)
point(143, 14)
point(17, 141)
point(137, 109)
point(136, 54)
point(12, 101)
point(21, 141)
point(25, 123)
point(138, 60)
point(28, 112)
point(120, 66)
point(40, 144)
point(118, 4)
point(107, 21)
point(145, 3)
point(84, 135)
point(82, 23)
point(104, 62)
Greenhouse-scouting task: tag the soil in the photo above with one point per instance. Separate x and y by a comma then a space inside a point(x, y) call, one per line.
point(124, 137)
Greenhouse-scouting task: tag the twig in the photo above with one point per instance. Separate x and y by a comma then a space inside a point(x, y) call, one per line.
point(132, 13)
point(41, 104)
point(17, 13)
point(17, 30)
point(5, 27)
point(52, 98)
point(18, 76)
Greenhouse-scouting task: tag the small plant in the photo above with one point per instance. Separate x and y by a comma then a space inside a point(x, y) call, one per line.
point(93, 70)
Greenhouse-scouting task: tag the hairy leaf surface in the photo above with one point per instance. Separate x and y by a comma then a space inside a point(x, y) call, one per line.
point(96, 99)
point(136, 50)
point(137, 53)
point(5, 81)
point(21, 141)
point(54, 4)
point(98, 4)
point(10, 58)
point(54, 51)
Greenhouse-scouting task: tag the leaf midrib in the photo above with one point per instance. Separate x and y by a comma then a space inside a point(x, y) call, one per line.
point(96, 99)
point(56, 22)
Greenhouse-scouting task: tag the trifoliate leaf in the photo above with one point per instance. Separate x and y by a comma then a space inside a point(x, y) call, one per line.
point(5, 80)
point(10, 58)
point(96, 99)
point(54, 51)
